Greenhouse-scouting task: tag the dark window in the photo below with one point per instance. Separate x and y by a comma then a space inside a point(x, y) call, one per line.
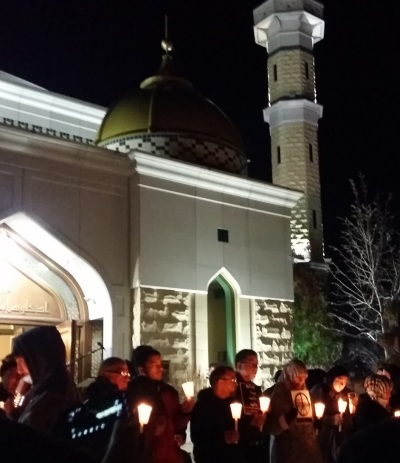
point(306, 71)
point(275, 72)
point(223, 235)
point(278, 154)
point(310, 152)
point(314, 218)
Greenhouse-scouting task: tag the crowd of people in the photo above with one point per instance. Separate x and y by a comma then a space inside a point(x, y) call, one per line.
point(44, 418)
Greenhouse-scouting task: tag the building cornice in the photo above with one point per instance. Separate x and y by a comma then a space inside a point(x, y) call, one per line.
point(200, 177)
point(292, 111)
point(288, 23)
point(40, 146)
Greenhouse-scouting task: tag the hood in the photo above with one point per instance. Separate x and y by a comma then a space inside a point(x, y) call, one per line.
point(44, 353)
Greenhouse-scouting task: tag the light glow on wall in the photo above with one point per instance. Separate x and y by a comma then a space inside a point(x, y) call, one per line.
point(93, 287)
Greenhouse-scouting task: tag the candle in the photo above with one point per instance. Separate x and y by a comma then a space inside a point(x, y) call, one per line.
point(144, 411)
point(236, 409)
point(264, 403)
point(397, 413)
point(188, 389)
point(352, 408)
point(342, 405)
point(319, 409)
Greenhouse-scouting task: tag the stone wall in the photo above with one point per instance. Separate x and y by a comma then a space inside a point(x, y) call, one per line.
point(289, 69)
point(274, 342)
point(165, 325)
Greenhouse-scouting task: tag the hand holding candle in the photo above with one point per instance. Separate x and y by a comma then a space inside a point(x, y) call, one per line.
point(144, 412)
point(236, 409)
point(319, 410)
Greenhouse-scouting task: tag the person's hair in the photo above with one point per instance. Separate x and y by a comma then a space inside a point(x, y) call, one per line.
point(218, 373)
point(335, 372)
point(7, 364)
point(141, 355)
point(243, 354)
point(110, 364)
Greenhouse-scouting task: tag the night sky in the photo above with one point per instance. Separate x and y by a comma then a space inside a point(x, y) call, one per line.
point(96, 50)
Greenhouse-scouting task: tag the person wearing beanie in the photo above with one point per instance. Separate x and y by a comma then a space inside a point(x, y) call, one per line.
point(40, 354)
point(373, 406)
point(334, 427)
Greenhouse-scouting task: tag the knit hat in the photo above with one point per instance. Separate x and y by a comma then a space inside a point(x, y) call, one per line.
point(377, 385)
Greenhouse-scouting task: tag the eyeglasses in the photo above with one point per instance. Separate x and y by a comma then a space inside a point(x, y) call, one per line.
point(122, 373)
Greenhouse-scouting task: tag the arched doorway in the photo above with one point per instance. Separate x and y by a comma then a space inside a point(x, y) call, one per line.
point(221, 316)
point(43, 282)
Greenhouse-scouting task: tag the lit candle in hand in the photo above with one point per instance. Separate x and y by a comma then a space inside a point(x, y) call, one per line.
point(188, 389)
point(236, 409)
point(144, 411)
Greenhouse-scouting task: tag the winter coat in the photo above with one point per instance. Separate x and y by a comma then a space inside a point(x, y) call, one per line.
point(293, 442)
point(100, 388)
point(53, 392)
point(329, 437)
point(369, 413)
point(167, 415)
point(211, 417)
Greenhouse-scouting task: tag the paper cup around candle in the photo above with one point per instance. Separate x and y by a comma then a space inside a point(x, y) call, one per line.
point(236, 409)
point(264, 403)
point(342, 405)
point(352, 408)
point(188, 389)
point(397, 413)
point(144, 412)
point(319, 409)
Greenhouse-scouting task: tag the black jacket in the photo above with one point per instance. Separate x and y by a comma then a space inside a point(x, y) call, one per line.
point(211, 417)
point(53, 392)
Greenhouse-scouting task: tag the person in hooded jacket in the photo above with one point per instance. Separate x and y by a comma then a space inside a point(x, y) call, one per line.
point(40, 353)
point(329, 392)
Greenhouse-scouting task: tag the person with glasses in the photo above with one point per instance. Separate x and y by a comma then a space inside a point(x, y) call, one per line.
point(212, 427)
point(113, 376)
point(251, 423)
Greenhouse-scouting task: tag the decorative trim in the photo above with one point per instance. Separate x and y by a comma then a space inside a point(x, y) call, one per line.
point(292, 111)
point(199, 177)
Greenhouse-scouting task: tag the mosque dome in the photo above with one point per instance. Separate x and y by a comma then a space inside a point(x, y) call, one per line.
point(168, 117)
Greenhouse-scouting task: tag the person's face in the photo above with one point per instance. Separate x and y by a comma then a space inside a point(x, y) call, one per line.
point(227, 385)
point(299, 380)
point(248, 368)
point(10, 380)
point(22, 367)
point(153, 368)
point(119, 376)
point(339, 383)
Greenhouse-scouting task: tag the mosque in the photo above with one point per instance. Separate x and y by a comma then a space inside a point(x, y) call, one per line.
point(138, 224)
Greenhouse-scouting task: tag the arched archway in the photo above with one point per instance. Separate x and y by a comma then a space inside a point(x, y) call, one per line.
point(55, 283)
point(221, 315)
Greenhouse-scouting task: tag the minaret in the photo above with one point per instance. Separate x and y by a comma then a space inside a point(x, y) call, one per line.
point(289, 29)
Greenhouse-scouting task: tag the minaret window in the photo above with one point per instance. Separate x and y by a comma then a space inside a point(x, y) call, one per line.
point(314, 218)
point(306, 70)
point(278, 154)
point(223, 235)
point(310, 152)
point(275, 72)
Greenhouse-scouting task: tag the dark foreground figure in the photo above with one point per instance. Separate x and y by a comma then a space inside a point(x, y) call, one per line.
point(376, 443)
